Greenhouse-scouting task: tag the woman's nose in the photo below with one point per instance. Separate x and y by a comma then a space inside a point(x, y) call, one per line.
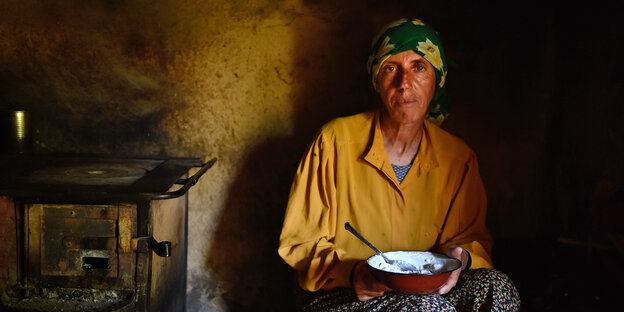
point(403, 79)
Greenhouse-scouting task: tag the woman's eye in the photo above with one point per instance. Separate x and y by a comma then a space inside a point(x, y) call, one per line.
point(390, 68)
point(420, 67)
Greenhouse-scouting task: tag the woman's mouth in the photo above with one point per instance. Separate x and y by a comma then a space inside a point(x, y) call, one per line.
point(404, 101)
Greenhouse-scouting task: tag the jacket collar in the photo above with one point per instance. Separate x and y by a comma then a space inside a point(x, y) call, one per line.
point(376, 155)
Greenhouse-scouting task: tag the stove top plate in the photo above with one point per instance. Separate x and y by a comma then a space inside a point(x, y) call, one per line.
point(59, 177)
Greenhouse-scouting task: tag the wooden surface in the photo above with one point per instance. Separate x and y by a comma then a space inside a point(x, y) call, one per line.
point(8, 253)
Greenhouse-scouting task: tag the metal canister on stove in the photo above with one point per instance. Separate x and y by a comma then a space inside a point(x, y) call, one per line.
point(16, 132)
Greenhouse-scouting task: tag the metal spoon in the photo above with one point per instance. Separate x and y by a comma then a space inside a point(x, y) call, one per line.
point(402, 265)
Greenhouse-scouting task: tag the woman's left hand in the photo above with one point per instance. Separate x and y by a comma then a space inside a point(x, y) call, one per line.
point(456, 252)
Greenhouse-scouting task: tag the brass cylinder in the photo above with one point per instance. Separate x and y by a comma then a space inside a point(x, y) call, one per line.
point(16, 132)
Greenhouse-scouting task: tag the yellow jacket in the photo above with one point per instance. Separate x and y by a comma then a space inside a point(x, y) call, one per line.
point(345, 176)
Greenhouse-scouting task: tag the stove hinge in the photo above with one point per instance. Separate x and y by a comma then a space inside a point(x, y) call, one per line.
point(127, 243)
point(144, 244)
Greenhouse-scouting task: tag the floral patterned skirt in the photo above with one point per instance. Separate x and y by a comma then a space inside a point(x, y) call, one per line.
point(476, 290)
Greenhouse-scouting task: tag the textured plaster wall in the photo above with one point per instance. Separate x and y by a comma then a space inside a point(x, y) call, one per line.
point(243, 81)
point(249, 82)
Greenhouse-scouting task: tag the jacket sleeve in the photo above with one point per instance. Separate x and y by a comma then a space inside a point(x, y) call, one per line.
point(306, 240)
point(465, 222)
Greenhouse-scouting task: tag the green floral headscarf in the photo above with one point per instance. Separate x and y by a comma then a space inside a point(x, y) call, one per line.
point(412, 34)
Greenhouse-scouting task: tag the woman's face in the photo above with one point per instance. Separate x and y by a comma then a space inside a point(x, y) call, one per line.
point(406, 83)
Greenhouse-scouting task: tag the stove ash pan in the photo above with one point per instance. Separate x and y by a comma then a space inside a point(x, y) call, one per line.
point(96, 254)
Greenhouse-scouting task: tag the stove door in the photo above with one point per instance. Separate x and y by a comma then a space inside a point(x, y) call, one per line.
point(80, 246)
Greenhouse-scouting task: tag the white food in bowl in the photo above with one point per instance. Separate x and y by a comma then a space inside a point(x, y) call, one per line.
point(425, 262)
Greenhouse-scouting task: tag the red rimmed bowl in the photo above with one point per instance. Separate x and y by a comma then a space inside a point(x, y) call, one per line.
point(434, 270)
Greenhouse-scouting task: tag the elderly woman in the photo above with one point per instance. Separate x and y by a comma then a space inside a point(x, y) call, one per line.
point(403, 182)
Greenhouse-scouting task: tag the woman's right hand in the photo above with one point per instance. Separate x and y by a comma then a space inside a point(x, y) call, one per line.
point(365, 285)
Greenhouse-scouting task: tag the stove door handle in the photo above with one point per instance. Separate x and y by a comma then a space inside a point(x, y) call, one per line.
point(144, 244)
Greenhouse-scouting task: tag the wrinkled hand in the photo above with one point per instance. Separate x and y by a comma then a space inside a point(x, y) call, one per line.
point(365, 285)
point(459, 253)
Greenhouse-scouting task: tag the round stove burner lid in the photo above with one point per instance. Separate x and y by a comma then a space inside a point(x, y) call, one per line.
point(86, 174)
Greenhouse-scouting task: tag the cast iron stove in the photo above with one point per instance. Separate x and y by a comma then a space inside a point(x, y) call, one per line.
point(79, 232)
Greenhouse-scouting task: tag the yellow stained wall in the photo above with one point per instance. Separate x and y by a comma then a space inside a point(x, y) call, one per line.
point(244, 81)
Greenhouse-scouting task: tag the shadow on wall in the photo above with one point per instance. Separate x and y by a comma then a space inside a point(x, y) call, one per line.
point(244, 247)
point(329, 81)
